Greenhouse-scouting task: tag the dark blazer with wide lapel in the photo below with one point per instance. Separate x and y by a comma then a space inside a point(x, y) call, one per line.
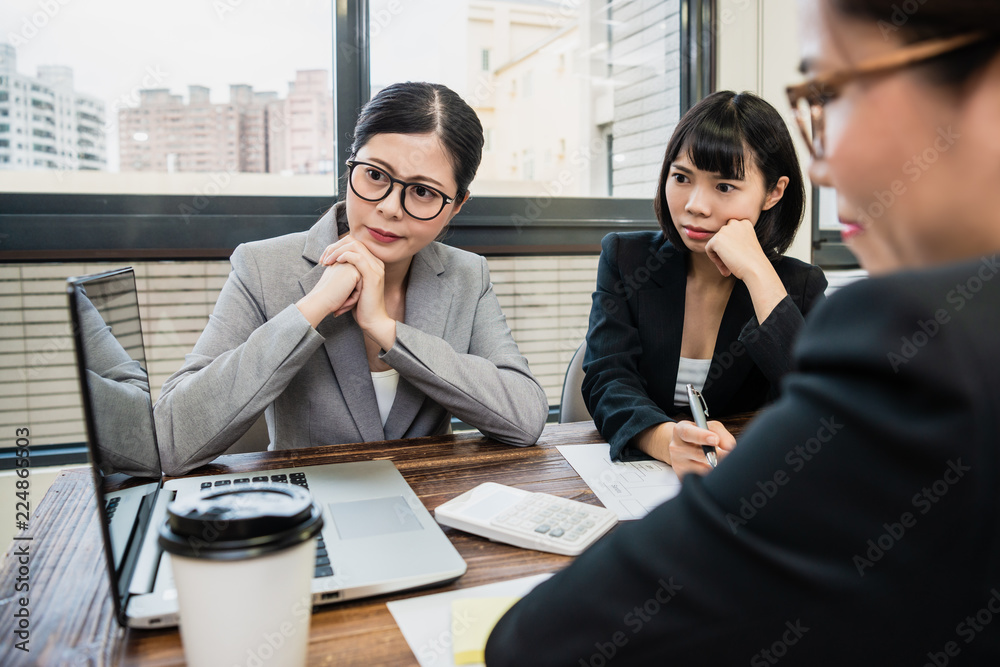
point(856, 523)
point(636, 325)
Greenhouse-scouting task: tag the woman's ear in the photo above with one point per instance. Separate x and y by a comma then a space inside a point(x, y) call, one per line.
point(776, 193)
point(458, 207)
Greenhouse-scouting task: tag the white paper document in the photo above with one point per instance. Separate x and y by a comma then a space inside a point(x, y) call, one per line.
point(631, 489)
point(426, 621)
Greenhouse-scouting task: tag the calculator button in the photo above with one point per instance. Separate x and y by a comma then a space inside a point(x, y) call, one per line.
point(204, 485)
point(556, 532)
point(544, 528)
point(579, 529)
point(223, 482)
point(546, 512)
point(572, 537)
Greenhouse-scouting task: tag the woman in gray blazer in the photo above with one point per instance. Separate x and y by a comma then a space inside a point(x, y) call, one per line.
point(362, 328)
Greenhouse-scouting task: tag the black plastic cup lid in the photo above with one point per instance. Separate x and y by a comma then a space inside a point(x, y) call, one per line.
point(238, 522)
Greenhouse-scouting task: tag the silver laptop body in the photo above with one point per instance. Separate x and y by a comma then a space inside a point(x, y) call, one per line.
point(377, 536)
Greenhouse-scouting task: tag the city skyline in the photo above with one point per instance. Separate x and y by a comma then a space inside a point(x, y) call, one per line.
point(180, 42)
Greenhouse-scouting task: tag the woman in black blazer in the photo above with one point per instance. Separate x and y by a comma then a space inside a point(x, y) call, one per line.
point(858, 522)
point(709, 299)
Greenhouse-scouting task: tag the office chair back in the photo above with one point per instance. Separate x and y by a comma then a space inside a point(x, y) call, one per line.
point(572, 408)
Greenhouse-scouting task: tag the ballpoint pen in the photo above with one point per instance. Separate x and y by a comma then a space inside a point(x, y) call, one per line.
point(699, 411)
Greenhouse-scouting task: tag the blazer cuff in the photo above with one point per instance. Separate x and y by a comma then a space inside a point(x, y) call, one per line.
point(770, 344)
point(622, 442)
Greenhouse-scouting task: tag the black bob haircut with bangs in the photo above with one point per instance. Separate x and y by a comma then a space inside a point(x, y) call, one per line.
point(719, 134)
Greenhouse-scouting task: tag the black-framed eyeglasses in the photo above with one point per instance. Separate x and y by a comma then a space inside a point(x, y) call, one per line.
point(810, 98)
point(372, 183)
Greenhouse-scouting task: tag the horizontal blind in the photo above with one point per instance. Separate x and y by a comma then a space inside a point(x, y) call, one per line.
point(546, 301)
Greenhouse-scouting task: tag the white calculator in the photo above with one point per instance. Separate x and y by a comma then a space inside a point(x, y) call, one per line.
point(537, 521)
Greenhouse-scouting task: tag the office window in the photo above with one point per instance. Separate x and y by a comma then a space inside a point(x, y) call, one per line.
point(252, 62)
point(576, 69)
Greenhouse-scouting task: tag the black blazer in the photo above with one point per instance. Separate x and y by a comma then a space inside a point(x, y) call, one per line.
point(858, 522)
point(634, 341)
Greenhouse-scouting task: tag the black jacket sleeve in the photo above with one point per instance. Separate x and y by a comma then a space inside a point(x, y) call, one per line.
point(613, 387)
point(856, 523)
point(770, 343)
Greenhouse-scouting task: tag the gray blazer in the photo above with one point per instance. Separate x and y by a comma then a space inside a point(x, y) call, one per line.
point(454, 354)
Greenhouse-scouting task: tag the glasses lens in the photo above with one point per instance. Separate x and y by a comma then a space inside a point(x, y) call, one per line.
point(422, 202)
point(368, 182)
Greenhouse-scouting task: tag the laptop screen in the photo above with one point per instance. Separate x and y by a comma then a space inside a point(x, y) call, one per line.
point(117, 407)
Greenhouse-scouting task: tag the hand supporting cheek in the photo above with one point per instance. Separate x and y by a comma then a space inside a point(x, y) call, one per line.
point(735, 249)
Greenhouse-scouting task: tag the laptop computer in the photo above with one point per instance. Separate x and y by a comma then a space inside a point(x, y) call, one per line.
point(377, 536)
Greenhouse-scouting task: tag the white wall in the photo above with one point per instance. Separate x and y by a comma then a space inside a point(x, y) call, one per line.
point(757, 49)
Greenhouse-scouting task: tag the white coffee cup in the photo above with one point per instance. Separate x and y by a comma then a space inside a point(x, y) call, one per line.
point(243, 560)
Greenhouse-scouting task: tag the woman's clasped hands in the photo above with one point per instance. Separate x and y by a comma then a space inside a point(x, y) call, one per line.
point(356, 279)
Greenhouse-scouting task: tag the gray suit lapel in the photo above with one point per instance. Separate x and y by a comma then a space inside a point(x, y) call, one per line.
point(345, 344)
point(428, 301)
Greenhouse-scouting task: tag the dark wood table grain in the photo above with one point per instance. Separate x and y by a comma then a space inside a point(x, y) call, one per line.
point(69, 601)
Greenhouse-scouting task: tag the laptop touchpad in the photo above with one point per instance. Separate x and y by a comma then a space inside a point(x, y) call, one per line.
point(378, 516)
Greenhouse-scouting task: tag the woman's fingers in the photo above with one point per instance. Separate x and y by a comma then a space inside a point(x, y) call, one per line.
point(350, 303)
point(334, 251)
point(727, 441)
point(686, 453)
point(686, 458)
point(691, 434)
point(713, 255)
point(329, 255)
point(363, 264)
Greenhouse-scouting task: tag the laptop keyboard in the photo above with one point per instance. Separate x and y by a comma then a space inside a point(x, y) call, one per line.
point(111, 507)
point(323, 567)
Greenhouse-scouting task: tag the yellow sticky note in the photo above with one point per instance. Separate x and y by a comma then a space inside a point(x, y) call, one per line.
point(472, 620)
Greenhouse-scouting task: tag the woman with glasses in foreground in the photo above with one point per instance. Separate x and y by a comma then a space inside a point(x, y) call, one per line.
point(362, 328)
point(858, 522)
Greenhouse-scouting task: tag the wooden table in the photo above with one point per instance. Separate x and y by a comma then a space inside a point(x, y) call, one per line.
point(72, 615)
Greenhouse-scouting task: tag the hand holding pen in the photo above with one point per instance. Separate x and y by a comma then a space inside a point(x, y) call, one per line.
point(690, 442)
